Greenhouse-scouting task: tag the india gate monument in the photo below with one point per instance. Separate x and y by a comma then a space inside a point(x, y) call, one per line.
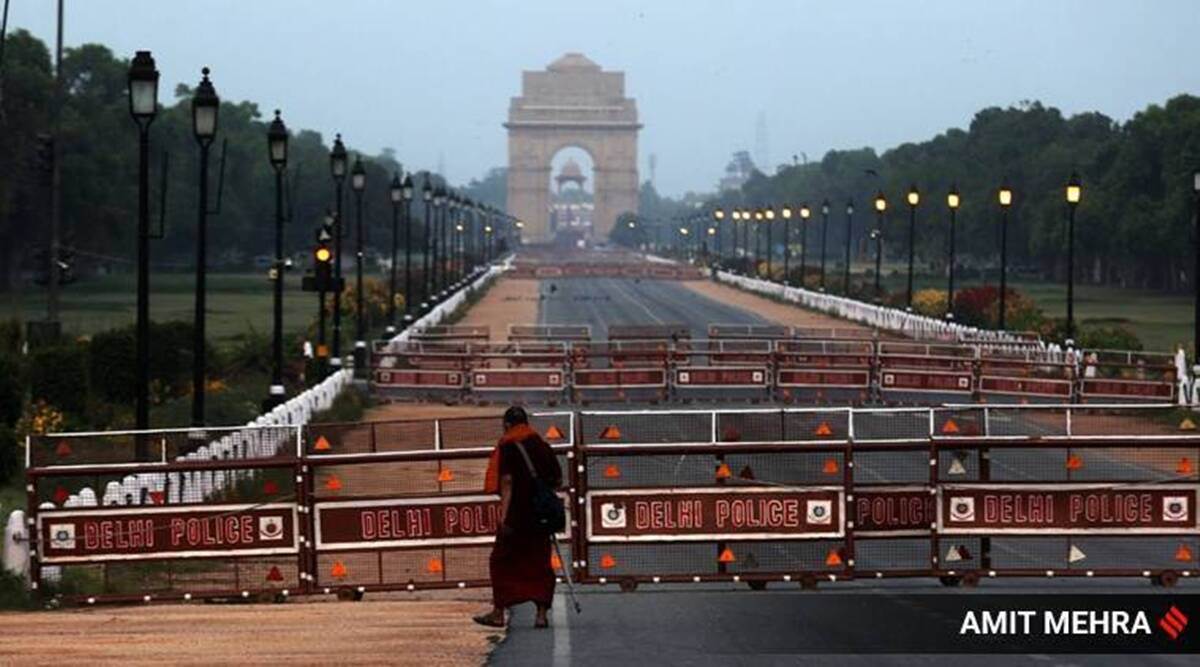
point(573, 103)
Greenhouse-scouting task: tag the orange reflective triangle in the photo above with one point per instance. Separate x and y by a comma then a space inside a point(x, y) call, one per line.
point(555, 561)
point(446, 475)
point(607, 561)
point(1183, 554)
point(322, 445)
point(1074, 462)
point(834, 558)
point(610, 432)
point(950, 427)
point(612, 471)
point(434, 566)
point(338, 570)
point(830, 467)
point(553, 433)
point(1184, 467)
point(746, 473)
point(322, 351)
point(823, 430)
point(726, 556)
point(274, 574)
point(1187, 424)
point(333, 483)
point(63, 450)
point(723, 471)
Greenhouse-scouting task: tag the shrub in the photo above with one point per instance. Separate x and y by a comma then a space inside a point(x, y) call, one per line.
point(930, 302)
point(10, 454)
point(11, 336)
point(1108, 338)
point(112, 365)
point(112, 362)
point(349, 406)
point(58, 376)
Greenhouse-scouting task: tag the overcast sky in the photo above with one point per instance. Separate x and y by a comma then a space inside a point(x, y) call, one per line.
point(433, 79)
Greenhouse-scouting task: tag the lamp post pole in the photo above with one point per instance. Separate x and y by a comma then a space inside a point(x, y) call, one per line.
point(914, 198)
point(824, 236)
point(358, 183)
point(805, 212)
point(877, 236)
point(849, 236)
point(277, 141)
point(143, 105)
point(205, 108)
point(426, 277)
point(407, 188)
point(952, 201)
point(768, 220)
point(337, 169)
point(1005, 197)
point(1074, 194)
point(396, 195)
point(786, 214)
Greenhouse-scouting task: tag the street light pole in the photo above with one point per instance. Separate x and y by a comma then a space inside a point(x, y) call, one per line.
point(143, 105)
point(913, 198)
point(205, 108)
point(805, 213)
point(1074, 194)
point(877, 236)
point(952, 200)
point(358, 183)
point(769, 218)
point(786, 213)
point(426, 277)
point(277, 144)
point(396, 195)
point(824, 235)
point(849, 235)
point(337, 169)
point(1005, 196)
point(407, 190)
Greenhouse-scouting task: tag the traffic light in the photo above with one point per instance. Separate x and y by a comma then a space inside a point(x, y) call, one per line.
point(322, 279)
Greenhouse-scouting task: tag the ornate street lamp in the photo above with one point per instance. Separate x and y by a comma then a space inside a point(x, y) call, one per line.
point(877, 237)
point(952, 202)
point(396, 196)
point(849, 236)
point(769, 217)
point(805, 214)
point(426, 275)
point(406, 190)
point(1005, 197)
point(824, 236)
point(358, 183)
point(143, 105)
point(205, 108)
point(439, 242)
point(337, 170)
point(277, 151)
point(786, 214)
point(913, 198)
point(718, 219)
point(1074, 195)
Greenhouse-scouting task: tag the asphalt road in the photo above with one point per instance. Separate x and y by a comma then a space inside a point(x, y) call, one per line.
point(728, 625)
point(602, 302)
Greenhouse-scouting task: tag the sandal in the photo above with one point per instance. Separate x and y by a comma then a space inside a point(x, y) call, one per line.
point(489, 620)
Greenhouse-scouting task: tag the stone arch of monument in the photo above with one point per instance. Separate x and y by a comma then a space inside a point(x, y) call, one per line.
point(572, 103)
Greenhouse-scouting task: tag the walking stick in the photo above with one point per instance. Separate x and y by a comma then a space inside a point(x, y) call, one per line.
point(567, 572)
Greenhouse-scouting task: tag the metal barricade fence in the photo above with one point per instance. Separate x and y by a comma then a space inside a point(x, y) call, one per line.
point(961, 492)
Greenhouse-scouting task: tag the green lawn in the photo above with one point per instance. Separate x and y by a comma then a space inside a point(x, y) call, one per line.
point(237, 302)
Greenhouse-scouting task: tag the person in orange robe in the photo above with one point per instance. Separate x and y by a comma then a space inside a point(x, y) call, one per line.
point(520, 561)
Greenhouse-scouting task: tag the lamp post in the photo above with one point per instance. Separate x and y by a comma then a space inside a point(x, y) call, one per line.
point(439, 242)
point(758, 219)
point(406, 191)
point(323, 265)
point(805, 213)
point(824, 235)
point(358, 183)
point(205, 108)
point(768, 218)
point(849, 236)
point(396, 195)
point(426, 284)
point(143, 105)
point(736, 215)
point(337, 169)
point(1005, 197)
point(1074, 195)
point(277, 145)
point(718, 219)
point(746, 217)
point(786, 214)
point(913, 199)
point(487, 253)
point(877, 237)
point(952, 201)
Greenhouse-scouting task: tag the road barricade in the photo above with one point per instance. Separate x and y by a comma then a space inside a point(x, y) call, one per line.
point(722, 382)
point(1023, 377)
point(451, 332)
point(1126, 376)
point(550, 332)
point(620, 384)
point(919, 372)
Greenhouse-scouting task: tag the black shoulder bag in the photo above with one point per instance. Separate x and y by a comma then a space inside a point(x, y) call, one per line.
point(549, 513)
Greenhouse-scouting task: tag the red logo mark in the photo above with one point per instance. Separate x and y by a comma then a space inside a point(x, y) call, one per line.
point(1173, 622)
